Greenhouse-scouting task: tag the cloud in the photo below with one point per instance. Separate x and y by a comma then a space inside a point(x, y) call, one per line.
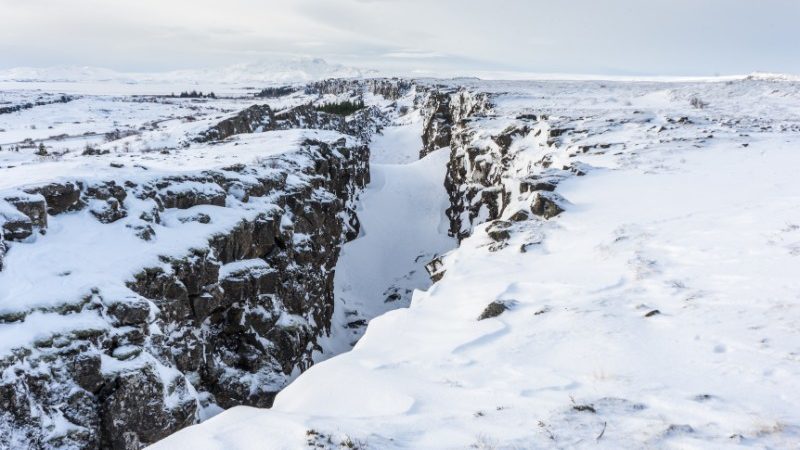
point(413, 54)
point(620, 36)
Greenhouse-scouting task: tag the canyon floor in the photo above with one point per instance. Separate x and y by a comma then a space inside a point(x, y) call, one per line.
point(458, 264)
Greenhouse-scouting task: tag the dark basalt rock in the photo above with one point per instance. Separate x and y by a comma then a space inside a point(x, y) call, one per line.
point(3, 250)
point(107, 211)
point(437, 122)
point(85, 370)
point(199, 218)
point(236, 338)
point(135, 413)
point(106, 190)
point(507, 137)
point(390, 88)
point(16, 227)
point(435, 269)
point(652, 313)
point(494, 309)
point(499, 230)
point(33, 206)
point(537, 183)
point(129, 312)
point(20, 215)
point(306, 116)
point(60, 197)
point(249, 239)
point(547, 204)
point(520, 216)
point(259, 118)
point(250, 120)
point(185, 197)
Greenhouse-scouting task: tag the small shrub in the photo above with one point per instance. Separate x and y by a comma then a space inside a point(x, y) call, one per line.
point(697, 103)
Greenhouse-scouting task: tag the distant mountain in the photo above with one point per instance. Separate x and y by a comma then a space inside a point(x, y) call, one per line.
point(266, 71)
point(299, 69)
point(61, 74)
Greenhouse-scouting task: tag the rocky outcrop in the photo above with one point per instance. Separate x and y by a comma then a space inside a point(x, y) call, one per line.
point(446, 108)
point(389, 88)
point(29, 105)
point(483, 175)
point(259, 118)
point(547, 204)
point(306, 116)
point(253, 119)
point(60, 197)
point(225, 325)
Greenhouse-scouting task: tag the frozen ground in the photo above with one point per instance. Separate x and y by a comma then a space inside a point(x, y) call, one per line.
point(660, 310)
point(403, 226)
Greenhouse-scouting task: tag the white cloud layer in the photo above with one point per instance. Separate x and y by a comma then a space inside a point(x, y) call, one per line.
point(670, 37)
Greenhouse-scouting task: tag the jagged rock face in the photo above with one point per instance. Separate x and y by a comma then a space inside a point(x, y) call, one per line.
point(445, 109)
point(252, 119)
point(137, 398)
point(547, 204)
point(477, 178)
point(390, 88)
point(306, 116)
point(2, 250)
point(362, 124)
point(226, 324)
point(31, 205)
point(437, 122)
point(473, 179)
point(60, 197)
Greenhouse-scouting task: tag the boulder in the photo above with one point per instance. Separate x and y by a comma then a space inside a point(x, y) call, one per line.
point(107, 211)
point(494, 309)
point(15, 225)
point(547, 204)
point(60, 197)
point(136, 412)
point(106, 190)
point(253, 119)
point(33, 206)
point(85, 370)
point(129, 312)
point(435, 269)
point(499, 230)
point(186, 194)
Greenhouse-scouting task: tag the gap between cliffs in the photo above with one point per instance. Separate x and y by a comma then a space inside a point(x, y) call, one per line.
point(403, 227)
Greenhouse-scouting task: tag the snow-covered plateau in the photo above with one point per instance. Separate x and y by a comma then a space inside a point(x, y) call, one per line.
point(400, 264)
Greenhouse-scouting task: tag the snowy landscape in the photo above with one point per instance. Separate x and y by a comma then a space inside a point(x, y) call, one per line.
point(383, 225)
point(454, 264)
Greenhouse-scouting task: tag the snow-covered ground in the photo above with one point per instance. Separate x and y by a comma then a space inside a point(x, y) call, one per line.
point(79, 255)
point(403, 226)
point(236, 78)
point(660, 310)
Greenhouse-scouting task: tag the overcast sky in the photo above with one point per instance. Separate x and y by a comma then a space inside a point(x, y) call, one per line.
point(642, 37)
